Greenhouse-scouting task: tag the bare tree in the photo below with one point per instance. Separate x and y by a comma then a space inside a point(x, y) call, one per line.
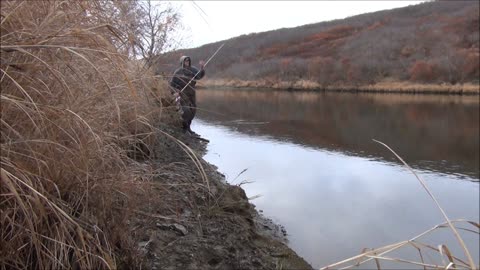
point(143, 29)
point(157, 25)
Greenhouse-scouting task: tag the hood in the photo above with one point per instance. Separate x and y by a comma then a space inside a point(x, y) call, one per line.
point(182, 59)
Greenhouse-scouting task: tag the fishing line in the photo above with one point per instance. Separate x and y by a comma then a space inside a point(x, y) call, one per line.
point(197, 7)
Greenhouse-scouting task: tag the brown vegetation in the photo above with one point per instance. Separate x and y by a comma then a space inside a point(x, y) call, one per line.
point(74, 111)
point(430, 43)
point(380, 87)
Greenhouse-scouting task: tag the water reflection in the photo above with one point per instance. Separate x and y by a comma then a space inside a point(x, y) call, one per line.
point(333, 204)
point(439, 133)
point(311, 158)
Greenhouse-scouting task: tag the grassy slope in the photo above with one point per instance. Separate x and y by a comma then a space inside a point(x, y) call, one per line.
point(434, 44)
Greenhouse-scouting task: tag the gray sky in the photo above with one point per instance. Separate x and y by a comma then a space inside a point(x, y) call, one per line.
point(211, 21)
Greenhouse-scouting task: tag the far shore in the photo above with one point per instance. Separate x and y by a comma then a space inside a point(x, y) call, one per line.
point(382, 87)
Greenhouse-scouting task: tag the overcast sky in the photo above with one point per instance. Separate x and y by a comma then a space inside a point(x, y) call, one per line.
point(211, 21)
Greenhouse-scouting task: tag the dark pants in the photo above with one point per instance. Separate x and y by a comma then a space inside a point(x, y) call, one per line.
point(189, 107)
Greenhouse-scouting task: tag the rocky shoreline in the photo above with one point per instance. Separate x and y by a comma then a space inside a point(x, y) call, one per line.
point(189, 224)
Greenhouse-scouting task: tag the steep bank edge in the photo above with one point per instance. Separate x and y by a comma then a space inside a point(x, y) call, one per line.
point(185, 228)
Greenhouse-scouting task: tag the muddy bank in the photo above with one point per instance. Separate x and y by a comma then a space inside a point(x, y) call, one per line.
point(381, 87)
point(187, 221)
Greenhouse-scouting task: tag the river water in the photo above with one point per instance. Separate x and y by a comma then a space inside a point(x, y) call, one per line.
point(311, 159)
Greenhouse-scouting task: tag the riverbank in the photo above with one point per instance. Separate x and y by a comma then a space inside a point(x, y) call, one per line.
point(382, 87)
point(191, 218)
point(95, 172)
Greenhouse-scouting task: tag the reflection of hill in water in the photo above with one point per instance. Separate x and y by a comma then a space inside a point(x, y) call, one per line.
point(435, 132)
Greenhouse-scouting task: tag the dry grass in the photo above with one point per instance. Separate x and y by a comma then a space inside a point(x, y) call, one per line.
point(381, 87)
point(73, 110)
point(467, 88)
point(448, 259)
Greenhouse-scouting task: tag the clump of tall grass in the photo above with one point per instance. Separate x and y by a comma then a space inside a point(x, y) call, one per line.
point(73, 108)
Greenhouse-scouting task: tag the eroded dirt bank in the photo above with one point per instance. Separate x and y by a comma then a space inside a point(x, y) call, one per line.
point(189, 223)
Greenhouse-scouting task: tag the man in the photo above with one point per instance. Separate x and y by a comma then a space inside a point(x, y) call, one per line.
point(183, 87)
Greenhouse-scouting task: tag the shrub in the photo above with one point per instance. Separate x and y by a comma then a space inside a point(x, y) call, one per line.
point(422, 71)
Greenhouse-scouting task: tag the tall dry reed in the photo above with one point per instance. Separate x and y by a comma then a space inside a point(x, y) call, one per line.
point(448, 260)
point(73, 108)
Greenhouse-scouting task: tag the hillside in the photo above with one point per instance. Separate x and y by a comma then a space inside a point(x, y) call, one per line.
point(434, 42)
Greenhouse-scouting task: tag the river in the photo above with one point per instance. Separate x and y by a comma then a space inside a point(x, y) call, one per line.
point(310, 158)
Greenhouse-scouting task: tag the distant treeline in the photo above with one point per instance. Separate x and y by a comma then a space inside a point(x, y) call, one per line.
point(432, 42)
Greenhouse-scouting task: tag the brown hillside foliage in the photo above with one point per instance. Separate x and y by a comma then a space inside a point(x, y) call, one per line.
point(384, 45)
point(320, 44)
point(422, 71)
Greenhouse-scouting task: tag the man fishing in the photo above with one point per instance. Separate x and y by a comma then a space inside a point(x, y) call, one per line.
point(183, 88)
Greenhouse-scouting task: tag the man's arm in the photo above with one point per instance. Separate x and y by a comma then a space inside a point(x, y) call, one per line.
point(202, 71)
point(199, 74)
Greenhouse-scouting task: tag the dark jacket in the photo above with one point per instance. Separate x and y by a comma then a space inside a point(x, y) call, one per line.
point(183, 75)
